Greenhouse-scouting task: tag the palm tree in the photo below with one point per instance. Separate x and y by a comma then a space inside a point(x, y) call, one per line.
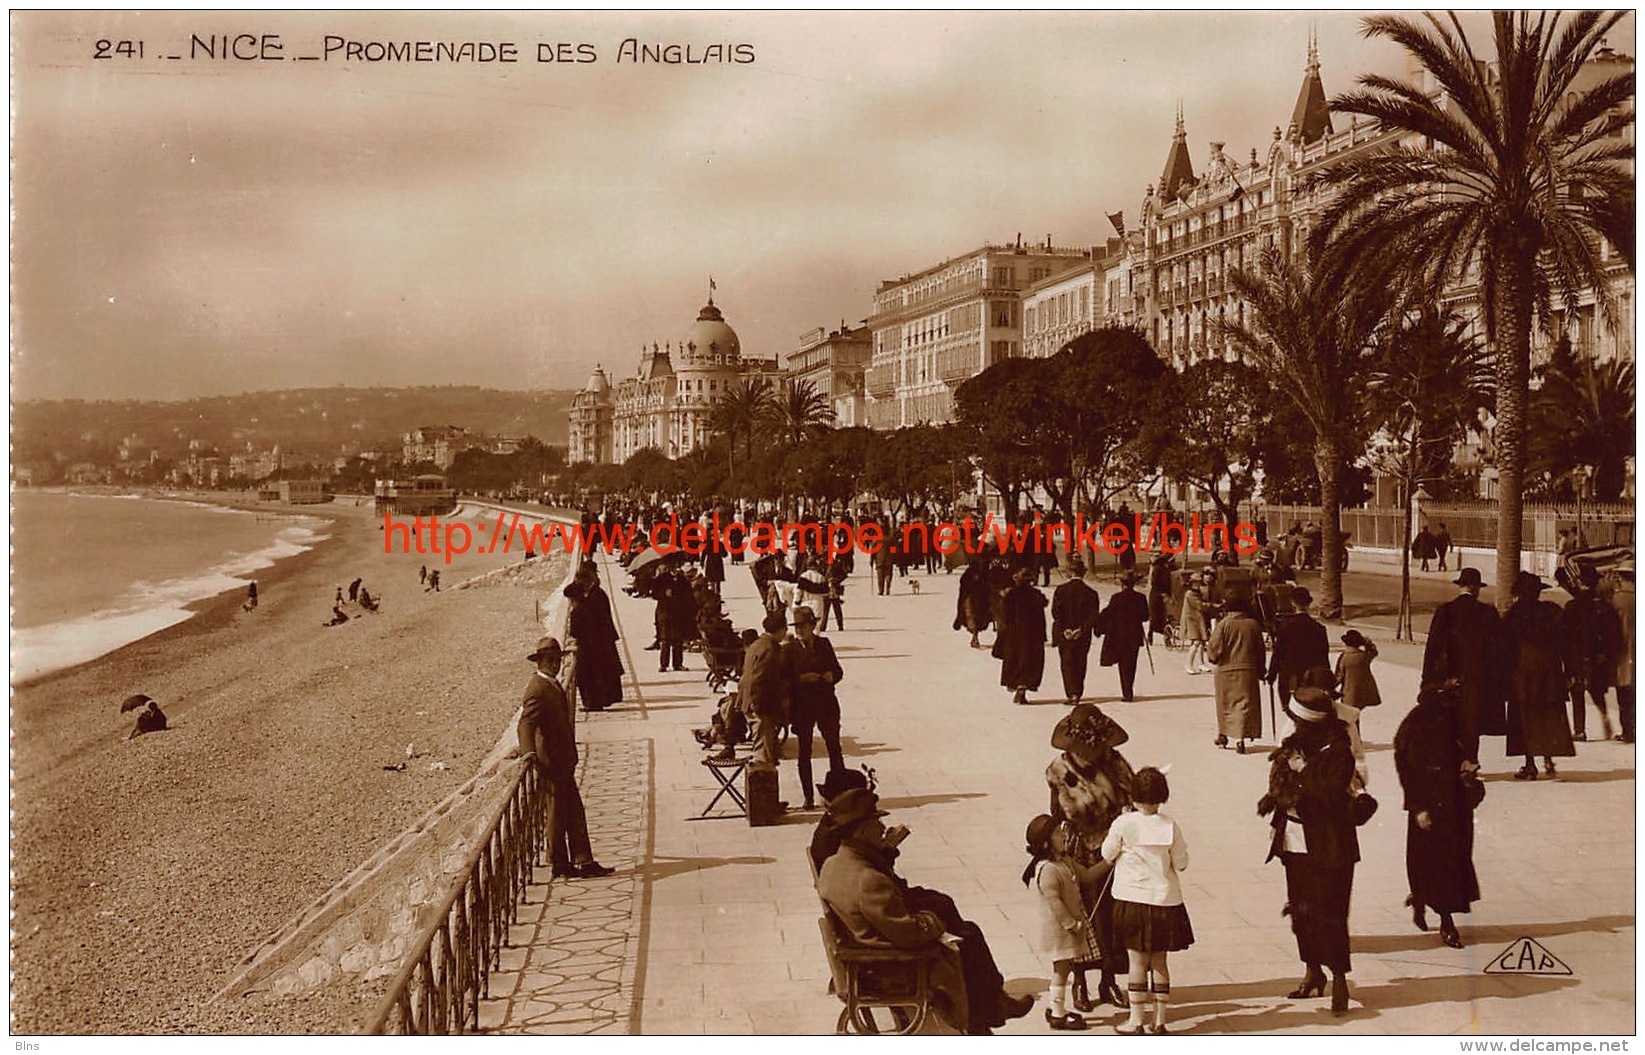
point(741, 413)
point(1423, 387)
point(1583, 416)
point(798, 412)
point(1517, 173)
point(1310, 332)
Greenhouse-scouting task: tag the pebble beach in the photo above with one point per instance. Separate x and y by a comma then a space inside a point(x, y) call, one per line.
point(143, 870)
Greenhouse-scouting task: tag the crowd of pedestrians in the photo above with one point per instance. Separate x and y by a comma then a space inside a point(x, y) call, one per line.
point(1105, 857)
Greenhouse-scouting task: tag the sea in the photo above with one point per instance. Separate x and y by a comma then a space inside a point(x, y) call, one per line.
point(90, 573)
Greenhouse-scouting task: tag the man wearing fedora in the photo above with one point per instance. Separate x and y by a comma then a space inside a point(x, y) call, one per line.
point(1300, 644)
point(1466, 641)
point(1074, 610)
point(816, 708)
point(1123, 627)
point(857, 885)
point(546, 735)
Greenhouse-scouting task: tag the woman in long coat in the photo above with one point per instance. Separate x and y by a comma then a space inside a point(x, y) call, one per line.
point(1020, 643)
point(1309, 794)
point(1237, 650)
point(1439, 831)
point(975, 609)
point(594, 633)
point(1537, 723)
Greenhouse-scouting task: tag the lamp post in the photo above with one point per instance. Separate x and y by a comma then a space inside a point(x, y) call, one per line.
point(1584, 474)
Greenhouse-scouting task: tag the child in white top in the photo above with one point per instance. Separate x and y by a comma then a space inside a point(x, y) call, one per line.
point(1063, 914)
point(1148, 850)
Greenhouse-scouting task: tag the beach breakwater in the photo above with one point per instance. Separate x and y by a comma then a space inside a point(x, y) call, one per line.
point(359, 934)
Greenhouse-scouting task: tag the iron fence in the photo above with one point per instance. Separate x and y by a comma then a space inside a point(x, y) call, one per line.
point(1473, 525)
point(449, 965)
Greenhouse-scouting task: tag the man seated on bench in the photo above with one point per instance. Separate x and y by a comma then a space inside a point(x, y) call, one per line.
point(870, 902)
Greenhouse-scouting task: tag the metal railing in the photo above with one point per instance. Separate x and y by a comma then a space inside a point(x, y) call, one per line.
point(448, 967)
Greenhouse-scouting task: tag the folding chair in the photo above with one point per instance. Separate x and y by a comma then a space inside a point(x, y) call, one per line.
point(729, 773)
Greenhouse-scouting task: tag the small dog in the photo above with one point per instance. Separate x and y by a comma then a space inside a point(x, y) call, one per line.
point(914, 587)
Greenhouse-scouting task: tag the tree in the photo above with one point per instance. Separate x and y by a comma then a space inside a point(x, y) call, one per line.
point(1310, 331)
point(798, 412)
point(1081, 425)
point(1582, 418)
point(651, 472)
point(1004, 412)
point(1518, 172)
point(914, 466)
point(741, 413)
point(1109, 392)
point(1220, 416)
point(1424, 387)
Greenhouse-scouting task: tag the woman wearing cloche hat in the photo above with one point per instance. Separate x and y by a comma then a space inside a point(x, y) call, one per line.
point(1537, 722)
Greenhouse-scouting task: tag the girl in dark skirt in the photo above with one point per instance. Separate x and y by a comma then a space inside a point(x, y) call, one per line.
point(1148, 850)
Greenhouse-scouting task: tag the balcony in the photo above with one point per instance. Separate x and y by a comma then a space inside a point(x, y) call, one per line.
point(958, 364)
point(881, 381)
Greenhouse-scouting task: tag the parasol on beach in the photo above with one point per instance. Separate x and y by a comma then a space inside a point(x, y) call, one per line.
point(132, 703)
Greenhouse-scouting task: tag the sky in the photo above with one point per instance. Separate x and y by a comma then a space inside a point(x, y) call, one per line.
point(205, 226)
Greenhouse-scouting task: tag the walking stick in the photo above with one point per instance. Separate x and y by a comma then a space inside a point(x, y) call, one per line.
point(1150, 648)
point(1273, 721)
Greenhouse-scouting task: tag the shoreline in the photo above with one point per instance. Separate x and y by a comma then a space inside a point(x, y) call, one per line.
point(144, 870)
point(201, 608)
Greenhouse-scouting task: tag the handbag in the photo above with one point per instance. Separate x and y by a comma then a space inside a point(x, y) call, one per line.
point(1473, 790)
point(1364, 808)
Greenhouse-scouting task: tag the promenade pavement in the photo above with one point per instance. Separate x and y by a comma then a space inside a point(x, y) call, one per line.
point(711, 926)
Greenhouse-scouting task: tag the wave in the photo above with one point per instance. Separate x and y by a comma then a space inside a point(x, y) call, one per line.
point(146, 608)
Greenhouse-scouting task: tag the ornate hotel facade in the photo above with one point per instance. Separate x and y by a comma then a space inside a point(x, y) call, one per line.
point(937, 329)
point(931, 331)
point(667, 402)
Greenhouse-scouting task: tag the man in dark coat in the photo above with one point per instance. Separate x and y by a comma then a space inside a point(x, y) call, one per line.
point(594, 633)
point(1020, 643)
point(545, 733)
point(766, 688)
point(1122, 625)
point(1160, 571)
point(714, 567)
point(816, 670)
point(1300, 644)
point(974, 611)
point(676, 617)
point(1592, 636)
point(1074, 609)
point(1466, 641)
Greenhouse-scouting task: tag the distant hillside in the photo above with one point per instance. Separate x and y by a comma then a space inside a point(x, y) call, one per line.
point(315, 423)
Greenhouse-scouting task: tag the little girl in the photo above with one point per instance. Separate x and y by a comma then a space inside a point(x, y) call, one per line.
point(1193, 629)
point(1148, 850)
point(1063, 918)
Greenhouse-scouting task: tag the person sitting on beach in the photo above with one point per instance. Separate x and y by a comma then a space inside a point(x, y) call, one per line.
point(151, 719)
point(368, 602)
point(251, 597)
point(338, 616)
